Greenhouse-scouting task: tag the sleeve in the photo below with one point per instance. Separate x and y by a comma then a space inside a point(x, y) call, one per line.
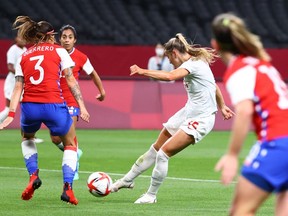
point(66, 61)
point(87, 67)
point(11, 55)
point(191, 66)
point(241, 84)
point(18, 68)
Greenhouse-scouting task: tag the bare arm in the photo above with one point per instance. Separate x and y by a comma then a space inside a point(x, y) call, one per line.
point(159, 74)
point(98, 83)
point(75, 90)
point(228, 164)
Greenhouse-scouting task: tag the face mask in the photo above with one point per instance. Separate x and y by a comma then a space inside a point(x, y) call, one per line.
point(159, 51)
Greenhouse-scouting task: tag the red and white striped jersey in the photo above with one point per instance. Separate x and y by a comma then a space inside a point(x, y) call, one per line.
point(41, 66)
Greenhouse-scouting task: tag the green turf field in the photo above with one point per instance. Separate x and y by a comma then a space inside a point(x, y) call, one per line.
point(191, 188)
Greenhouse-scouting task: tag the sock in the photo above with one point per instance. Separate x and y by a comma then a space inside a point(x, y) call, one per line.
point(69, 163)
point(30, 155)
point(4, 114)
point(60, 146)
point(143, 163)
point(159, 172)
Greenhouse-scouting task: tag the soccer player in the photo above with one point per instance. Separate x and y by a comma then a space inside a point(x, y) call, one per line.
point(13, 53)
point(68, 37)
point(38, 74)
point(190, 124)
point(260, 96)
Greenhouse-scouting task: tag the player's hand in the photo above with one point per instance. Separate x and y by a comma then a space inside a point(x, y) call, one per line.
point(85, 116)
point(134, 69)
point(228, 165)
point(100, 97)
point(227, 113)
point(6, 122)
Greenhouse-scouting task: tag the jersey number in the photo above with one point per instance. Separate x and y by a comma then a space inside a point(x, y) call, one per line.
point(37, 66)
point(279, 85)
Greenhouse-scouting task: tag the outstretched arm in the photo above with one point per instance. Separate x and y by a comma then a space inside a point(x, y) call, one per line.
point(159, 74)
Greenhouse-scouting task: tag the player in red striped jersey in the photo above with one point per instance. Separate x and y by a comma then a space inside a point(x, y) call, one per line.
point(68, 37)
point(38, 74)
point(260, 96)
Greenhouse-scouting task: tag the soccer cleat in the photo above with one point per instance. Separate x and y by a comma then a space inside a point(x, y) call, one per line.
point(34, 183)
point(38, 140)
point(68, 195)
point(146, 199)
point(120, 183)
point(79, 154)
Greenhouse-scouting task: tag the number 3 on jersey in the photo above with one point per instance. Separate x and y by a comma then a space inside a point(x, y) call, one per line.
point(37, 67)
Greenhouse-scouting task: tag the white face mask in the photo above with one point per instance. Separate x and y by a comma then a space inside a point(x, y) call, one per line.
point(159, 51)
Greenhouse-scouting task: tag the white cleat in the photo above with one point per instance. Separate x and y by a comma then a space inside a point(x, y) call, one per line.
point(146, 199)
point(120, 183)
point(38, 140)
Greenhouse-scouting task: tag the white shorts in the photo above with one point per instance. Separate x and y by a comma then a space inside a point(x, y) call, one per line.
point(9, 85)
point(198, 127)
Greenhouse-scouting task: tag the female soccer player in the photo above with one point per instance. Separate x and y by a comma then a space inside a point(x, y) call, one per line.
point(68, 37)
point(259, 95)
point(190, 124)
point(38, 74)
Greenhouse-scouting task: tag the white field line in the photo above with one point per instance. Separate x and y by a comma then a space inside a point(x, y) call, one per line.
point(118, 174)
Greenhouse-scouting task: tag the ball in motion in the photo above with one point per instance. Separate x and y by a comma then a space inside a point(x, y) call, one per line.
point(99, 184)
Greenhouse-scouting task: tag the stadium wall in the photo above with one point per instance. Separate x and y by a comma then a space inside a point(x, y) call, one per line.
point(132, 104)
point(113, 62)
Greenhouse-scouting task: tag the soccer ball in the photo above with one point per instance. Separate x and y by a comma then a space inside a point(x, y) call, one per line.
point(99, 184)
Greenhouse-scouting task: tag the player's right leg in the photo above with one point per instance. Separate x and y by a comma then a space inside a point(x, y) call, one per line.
point(60, 124)
point(143, 163)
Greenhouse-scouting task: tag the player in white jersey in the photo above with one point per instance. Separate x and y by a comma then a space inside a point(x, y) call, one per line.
point(13, 53)
point(190, 124)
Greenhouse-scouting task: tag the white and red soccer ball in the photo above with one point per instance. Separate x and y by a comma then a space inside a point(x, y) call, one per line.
point(99, 184)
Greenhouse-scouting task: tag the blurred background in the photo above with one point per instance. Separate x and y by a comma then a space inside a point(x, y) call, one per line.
point(118, 33)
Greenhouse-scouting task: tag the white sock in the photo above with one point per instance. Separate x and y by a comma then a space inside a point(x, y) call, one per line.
point(30, 155)
point(60, 146)
point(4, 114)
point(159, 172)
point(143, 163)
point(69, 163)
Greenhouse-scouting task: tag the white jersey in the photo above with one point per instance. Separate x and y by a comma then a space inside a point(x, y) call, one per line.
point(197, 117)
point(13, 54)
point(200, 87)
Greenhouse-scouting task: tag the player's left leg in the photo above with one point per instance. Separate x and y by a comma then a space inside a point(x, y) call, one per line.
point(143, 163)
point(248, 197)
point(281, 203)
